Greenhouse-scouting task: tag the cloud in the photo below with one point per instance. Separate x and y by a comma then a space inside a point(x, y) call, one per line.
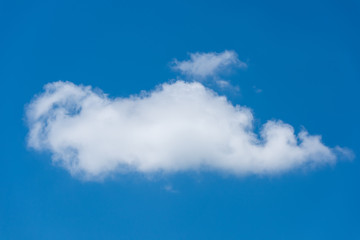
point(203, 65)
point(169, 188)
point(257, 90)
point(222, 84)
point(180, 126)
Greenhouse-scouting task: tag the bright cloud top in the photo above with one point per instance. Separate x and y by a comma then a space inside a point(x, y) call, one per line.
point(204, 65)
point(178, 127)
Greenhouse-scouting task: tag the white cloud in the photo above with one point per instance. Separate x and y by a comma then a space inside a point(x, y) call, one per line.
point(178, 127)
point(169, 188)
point(257, 90)
point(202, 65)
point(223, 83)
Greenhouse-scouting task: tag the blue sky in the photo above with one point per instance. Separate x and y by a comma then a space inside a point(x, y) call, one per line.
point(304, 57)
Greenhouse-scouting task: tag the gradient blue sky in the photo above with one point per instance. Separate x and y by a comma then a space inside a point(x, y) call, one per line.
point(304, 56)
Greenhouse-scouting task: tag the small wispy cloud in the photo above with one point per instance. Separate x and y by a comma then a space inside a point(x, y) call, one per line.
point(203, 65)
point(226, 85)
point(170, 188)
point(223, 83)
point(257, 90)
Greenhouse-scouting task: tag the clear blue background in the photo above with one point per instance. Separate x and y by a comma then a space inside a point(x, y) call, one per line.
point(304, 55)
